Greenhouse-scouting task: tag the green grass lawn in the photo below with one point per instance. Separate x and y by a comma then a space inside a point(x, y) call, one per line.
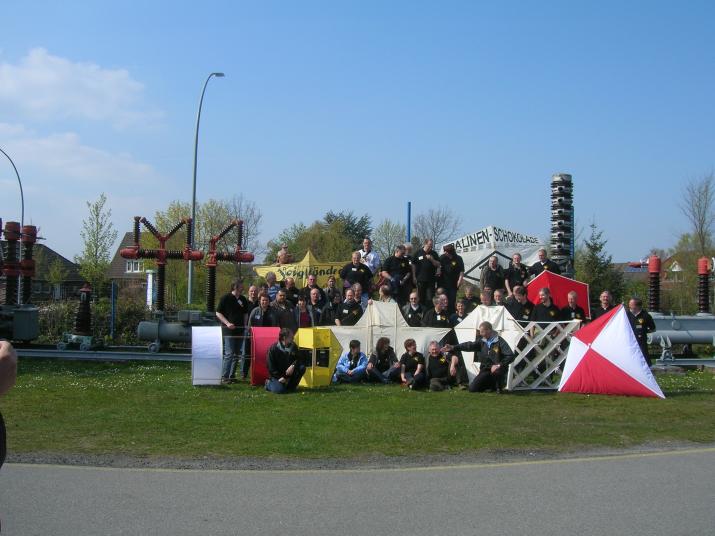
point(151, 409)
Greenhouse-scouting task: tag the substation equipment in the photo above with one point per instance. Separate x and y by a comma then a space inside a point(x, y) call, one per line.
point(680, 329)
point(19, 319)
point(159, 330)
point(562, 223)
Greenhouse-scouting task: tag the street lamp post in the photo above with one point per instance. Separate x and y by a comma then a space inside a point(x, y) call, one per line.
point(22, 221)
point(193, 195)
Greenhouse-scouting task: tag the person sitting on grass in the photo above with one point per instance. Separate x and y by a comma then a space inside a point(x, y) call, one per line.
point(493, 354)
point(383, 366)
point(352, 365)
point(284, 367)
point(412, 366)
point(442, 369)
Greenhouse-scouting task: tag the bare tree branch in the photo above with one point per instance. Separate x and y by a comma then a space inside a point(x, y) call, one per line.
point(386, 236)
point(439, 224)
point(697, 206)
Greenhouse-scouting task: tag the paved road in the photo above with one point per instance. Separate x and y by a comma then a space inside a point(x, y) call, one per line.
point(664, 493)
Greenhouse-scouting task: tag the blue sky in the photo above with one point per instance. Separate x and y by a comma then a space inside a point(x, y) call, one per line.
point(360, 106)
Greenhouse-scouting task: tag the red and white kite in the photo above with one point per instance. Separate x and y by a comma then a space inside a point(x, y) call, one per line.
point(560, 286)
point(604, 358)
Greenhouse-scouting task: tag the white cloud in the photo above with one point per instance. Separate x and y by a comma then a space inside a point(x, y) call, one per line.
point(45, 87)
point(64, 154)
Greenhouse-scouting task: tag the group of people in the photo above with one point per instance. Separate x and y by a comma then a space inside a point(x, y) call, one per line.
point(423, 284)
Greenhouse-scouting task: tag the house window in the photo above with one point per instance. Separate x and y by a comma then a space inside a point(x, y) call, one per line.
point(135, 267)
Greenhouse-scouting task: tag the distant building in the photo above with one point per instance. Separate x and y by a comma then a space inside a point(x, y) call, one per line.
point(42, 288)
point(125, 272)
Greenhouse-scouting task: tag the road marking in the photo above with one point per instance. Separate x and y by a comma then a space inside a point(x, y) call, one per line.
point(455, 467)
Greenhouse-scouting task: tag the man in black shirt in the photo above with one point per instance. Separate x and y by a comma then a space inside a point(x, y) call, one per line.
point(284, 367)
point(492, 275)
point(544, 264)
point(606, 304)
point(292, 292)
point(437, 317)
point(413, 311)
point(309, 286)
point(519, 306)
point(349, 311)
point(545, 310)
point(573, 311)
point(452, 274)
point(426, 269)
point(330, 311)
point(460, 315)
point(314, 306)
point(397, 270)
point(470, 299)
point(516, 275)
point(231, 312)
point(283, 311)
point(493, 355)
point(357, 272)
point(642, 324)
point(441, 368)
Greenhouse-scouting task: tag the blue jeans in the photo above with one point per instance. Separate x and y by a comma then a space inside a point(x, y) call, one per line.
point(390, 375)
point(344, 377)
point(231, 351)
point(278, 388)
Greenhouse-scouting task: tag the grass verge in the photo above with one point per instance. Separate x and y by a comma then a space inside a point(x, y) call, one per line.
point(151, 409)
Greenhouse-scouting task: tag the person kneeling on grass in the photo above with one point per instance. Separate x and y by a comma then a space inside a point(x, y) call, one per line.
point(352, 365)
point(442, 369)
point(383, 367)
point(412, 366)
point(494, 356)
point(284, 366)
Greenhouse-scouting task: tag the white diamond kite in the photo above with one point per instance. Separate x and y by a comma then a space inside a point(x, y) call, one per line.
point(385, 320)
point(604, 358)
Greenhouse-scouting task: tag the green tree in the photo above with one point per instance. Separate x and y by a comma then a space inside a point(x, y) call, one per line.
point(328, 242)
point(56, 275)
point(594, 266)
point(98, 236)
point(386, 236)
point(355, 228)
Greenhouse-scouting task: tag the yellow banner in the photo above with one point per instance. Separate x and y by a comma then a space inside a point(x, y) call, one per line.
point(301, 270)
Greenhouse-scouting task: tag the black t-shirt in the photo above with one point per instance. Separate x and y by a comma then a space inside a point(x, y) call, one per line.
point(410, 362)
point(494, 279)
point(357, 274)
point(516, 276)
point(542, 313)
point(600, 311)
point(413, 317)
point(292, 294)
point(433, 319)
point(234, 309)
point(251, 305)
point(396, 266)
point(642, 324)
point(520, 312)
point(438, 366)
point(451, 268)
point(547, 265)
point(573, 314)
point(425, 270)
point(471, 303)
point(349, 313)
point(456, 319)
point(321, 296)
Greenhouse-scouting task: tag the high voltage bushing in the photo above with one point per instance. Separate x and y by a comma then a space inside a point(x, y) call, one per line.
point(703, 285)
point(27, 265)
point(562, 231)
point(162, 255)
point(213, 257)
point(654, 284)
point(11, 267)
